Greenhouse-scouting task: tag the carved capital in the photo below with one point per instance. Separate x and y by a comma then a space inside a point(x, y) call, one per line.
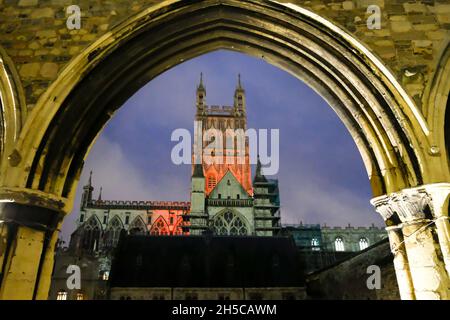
point(407, 205)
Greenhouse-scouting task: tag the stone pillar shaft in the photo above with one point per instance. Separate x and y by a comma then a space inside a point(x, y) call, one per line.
point(423, 248)
point(28, 236)
point(425, 261)
point(443, 231)
point(401, 266)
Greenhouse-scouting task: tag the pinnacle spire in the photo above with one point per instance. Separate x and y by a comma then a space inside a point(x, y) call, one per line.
point(239, 86)
point(100, 194)
point(259, 177)
point(201, 86)
point(90, 179)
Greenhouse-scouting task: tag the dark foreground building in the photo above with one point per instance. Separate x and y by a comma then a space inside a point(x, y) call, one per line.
point(206, 267)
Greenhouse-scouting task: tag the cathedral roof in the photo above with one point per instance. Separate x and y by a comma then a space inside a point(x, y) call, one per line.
point(229, 175)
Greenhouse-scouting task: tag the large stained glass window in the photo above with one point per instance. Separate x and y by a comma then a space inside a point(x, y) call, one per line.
point(160, 228)
point(231, 224)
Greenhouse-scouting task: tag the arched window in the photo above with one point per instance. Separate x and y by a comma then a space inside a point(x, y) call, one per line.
point(339, 244)
point(159, 227)
point(137, 226)
point(315, 245)
point(113, 232)
point(61, 295)
point(211, 182)
point(229, 223)
point(363, 243)
point(91, 234)
point(178, 230)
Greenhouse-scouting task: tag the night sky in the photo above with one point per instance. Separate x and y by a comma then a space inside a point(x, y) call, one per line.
point(322, 177)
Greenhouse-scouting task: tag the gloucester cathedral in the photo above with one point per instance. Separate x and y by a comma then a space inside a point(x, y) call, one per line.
point(154, 249)
point(223, 199)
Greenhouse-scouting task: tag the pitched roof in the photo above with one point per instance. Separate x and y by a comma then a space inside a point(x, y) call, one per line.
point(230, 173)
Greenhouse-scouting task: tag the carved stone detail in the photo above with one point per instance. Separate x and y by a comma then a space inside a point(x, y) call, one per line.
point(409, 205)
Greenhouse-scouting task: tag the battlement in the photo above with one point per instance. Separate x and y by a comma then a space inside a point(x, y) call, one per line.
point(140, 205)
point(351, 228)
point(334, 228)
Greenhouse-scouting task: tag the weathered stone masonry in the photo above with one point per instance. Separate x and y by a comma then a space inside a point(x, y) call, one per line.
point(35, 35)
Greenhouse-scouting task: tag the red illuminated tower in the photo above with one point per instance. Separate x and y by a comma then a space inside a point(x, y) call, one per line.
point(223, 118)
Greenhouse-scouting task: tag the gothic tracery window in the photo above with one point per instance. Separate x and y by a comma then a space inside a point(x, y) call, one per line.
point(363, 243)
point(339, 244)
point(113, 232)
point(229, 223)
point(91, 234)
point(137, 226)
point(159, 228)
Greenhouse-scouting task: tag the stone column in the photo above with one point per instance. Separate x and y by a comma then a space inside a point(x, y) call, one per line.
point(401, 265)
point(28, 233)
point(411, 210)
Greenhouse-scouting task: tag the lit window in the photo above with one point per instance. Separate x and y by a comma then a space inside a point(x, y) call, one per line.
point(339, 244)
point(315, 244)
point(363, 243)
point(62, 295)
point(80, 296)
point(105, 276)
point(211, 182)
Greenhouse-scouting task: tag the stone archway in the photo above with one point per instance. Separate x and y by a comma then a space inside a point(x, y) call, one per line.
point(43, 168)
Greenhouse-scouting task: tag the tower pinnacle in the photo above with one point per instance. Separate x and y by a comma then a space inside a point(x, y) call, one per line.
point(90, 179)
point(239, 86)
point(201, 85)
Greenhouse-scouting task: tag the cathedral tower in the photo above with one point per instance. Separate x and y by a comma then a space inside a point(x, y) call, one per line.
point(234, 149)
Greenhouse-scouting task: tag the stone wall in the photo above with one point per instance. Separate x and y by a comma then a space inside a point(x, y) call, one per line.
point(35, 36)
point(348, 279)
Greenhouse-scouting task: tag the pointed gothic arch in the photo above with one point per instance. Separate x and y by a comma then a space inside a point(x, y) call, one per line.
point(382, 119)
point(13, 109)
point(160, 227)
point(228, 222)
point(137, 226)
point(91, 234)
point(394, 138)
point(112, 232)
